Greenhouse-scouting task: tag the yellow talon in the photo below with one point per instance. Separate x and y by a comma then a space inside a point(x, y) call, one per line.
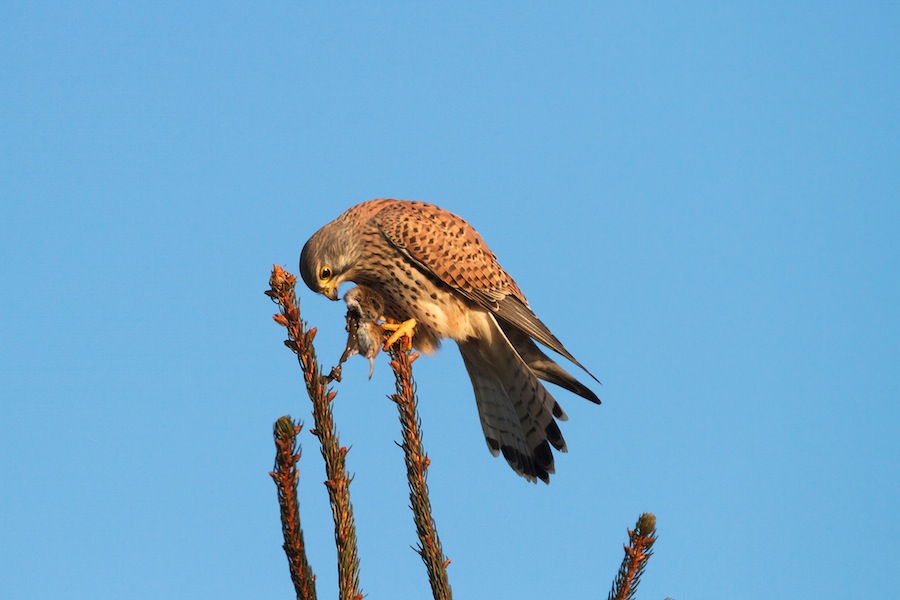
point(404, 329)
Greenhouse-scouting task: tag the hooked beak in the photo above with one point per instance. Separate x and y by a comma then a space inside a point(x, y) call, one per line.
point(330, 292)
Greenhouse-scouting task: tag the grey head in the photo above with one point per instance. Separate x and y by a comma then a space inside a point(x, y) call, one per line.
point(328, 259)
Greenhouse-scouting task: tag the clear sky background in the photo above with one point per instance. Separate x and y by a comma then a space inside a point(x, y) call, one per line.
point(702, 201)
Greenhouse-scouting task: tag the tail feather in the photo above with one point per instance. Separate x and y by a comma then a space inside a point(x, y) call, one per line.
point(517, 413)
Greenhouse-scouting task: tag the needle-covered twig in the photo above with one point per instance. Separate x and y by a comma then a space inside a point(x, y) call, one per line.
point(300, 339)
point(416, 465)
point(287, 453)
point(637, 553)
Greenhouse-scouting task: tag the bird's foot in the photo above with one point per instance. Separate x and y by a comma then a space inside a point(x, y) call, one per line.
point(405, 329)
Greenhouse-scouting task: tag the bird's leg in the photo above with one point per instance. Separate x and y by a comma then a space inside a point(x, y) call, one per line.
point(405, 329)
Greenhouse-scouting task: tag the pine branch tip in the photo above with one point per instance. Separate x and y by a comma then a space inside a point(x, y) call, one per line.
point(646, 524)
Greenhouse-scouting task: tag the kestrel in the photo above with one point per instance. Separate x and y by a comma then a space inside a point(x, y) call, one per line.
point(426, 264)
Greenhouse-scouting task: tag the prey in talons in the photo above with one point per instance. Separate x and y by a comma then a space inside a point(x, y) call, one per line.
point(365, 327)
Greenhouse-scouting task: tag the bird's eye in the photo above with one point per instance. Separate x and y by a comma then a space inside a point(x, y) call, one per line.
point(325, 273)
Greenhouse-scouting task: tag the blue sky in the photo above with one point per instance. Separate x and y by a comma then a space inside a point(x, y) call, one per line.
point(702, 201)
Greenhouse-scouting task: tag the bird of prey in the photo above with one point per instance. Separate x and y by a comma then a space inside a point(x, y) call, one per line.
point(429, 268)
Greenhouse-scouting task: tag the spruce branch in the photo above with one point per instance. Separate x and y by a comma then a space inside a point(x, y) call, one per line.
point(300, 341)
point(287, 454)
point(637, 552)
point(416, 466)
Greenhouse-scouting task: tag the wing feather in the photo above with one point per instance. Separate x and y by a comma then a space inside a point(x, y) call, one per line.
point(444, 246)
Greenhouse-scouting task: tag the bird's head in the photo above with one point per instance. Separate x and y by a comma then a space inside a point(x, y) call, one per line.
point(327, 261)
